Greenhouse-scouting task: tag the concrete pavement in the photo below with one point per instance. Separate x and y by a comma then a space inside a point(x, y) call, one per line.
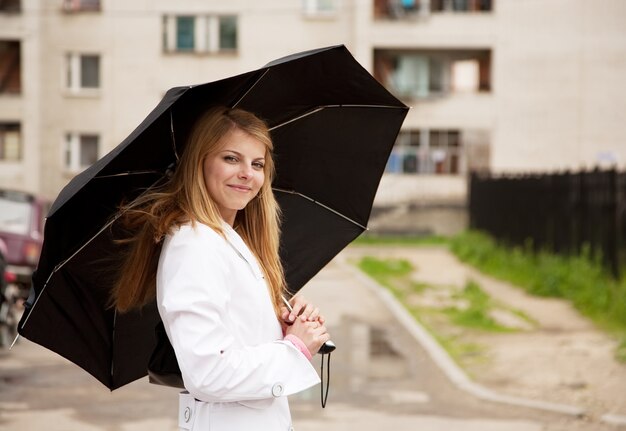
point(381, 377)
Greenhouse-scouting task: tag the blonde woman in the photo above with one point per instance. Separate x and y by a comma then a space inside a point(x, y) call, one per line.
point(208, 240)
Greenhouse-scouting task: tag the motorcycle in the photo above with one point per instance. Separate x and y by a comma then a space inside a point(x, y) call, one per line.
point(11, 305)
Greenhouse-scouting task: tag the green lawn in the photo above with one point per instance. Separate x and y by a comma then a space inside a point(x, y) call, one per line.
point(579, 279)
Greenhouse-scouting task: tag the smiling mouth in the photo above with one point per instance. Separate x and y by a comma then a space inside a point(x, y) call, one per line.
point(240, 188)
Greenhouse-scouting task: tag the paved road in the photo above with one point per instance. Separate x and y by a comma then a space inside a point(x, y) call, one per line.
point(381, 379)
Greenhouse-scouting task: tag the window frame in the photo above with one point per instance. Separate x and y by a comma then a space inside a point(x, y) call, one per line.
point(75, 73)
point(428, 151)
point(320, 8)
point(72, 151)
point(7, 127)
point(207, 34)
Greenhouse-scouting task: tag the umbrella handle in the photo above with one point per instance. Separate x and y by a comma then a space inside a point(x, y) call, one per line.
point(327, 347)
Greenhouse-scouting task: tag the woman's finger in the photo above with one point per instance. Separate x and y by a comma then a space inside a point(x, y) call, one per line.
point(297, 305)
point(314, 314)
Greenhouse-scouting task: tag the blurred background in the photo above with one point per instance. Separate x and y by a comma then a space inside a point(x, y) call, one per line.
point(503, 86)
point(517, 125)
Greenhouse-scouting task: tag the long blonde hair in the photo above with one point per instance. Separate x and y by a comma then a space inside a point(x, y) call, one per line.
point(184, 198)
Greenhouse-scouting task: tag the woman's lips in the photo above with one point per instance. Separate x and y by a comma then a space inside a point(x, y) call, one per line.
point(240, 188)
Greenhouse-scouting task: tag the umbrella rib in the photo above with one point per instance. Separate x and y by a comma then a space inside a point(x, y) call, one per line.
point(62, 264)
point(127, 173)
point(172, 134)
point(306, 114)
point(293, 192)
point(113, 344)
point(249, 89)
point(322, 107)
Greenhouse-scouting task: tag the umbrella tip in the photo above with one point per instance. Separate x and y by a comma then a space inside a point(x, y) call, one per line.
point(14, 341)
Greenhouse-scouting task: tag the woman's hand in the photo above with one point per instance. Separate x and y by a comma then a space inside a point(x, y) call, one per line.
point(301, 309)
point(312, 333)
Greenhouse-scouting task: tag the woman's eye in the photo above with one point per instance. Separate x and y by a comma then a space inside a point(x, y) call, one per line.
point(258, 165)
point(232, 159)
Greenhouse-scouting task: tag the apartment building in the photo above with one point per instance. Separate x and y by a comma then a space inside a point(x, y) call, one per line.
point(502, 85)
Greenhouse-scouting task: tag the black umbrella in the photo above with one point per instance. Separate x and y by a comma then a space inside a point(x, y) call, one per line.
point(333, 127)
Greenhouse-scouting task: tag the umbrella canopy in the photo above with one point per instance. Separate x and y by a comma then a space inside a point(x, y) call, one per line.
point(333, 127)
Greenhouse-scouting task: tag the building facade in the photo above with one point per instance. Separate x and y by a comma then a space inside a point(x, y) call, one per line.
point(499, 85)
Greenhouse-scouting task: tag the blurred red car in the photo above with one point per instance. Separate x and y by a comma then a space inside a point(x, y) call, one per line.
point(22, 218)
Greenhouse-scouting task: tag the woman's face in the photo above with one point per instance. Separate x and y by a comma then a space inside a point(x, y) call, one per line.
point(234, 175)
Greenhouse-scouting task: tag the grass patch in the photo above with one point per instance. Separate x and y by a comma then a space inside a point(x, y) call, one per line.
point(579, 279)
point(391, 273)
point(373, 239)
point(476, 315)
point(385, 268)
point(394, 275)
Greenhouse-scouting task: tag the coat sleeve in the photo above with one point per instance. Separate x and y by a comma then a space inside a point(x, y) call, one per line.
point(193, 296)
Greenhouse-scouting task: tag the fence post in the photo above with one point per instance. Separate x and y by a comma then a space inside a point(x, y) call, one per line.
point(614, 221)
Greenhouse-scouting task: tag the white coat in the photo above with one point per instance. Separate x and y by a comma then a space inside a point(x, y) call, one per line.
point(218, 315)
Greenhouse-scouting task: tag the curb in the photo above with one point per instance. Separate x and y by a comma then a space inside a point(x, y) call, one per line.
point(443, 360)
point(613, 419)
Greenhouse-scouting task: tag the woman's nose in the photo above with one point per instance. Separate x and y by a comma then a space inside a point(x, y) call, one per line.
point(245, 171)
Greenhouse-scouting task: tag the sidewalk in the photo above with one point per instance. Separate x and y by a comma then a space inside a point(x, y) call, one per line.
point(563, 360)
point(381, 377)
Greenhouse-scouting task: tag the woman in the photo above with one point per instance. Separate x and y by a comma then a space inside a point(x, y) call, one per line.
point(208, 240)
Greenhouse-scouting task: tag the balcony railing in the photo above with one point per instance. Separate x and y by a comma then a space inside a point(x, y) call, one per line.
point(427, 74)
point(71, 6)
point(407, 9)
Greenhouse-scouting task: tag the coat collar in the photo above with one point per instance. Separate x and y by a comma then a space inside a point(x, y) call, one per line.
point(240, 247)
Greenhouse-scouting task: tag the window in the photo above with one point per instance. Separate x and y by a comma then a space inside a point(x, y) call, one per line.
point(427, 151)
point(400, 9)
point(200, 33)
point(185, 33)
point(10, 6)
point(319, 7)
point(81, 5)
point(228, 33)
point(10, 67)
point(461, 5)
point(10, 142)
point(81, 151)
point(83, 72)
point(422, 74)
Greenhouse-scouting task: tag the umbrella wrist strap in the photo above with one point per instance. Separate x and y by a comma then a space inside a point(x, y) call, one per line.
point(324, 391)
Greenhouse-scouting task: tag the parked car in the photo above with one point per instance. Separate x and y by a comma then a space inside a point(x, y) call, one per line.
point(21, 229)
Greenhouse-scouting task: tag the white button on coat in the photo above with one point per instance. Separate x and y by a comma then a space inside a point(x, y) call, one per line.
point(217, 312)
point(278, 389)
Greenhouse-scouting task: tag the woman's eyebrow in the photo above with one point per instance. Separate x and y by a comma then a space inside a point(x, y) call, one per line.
point(226, 150)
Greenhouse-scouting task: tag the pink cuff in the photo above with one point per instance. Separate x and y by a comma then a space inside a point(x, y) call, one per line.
point(296, 341)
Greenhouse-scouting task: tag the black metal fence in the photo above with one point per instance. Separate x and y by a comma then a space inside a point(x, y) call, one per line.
point(561, 212)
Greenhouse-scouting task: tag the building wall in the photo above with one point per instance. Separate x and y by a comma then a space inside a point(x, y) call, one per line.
point(558, 84)
point(556, 101)
point(24, 108)
point(136, 72)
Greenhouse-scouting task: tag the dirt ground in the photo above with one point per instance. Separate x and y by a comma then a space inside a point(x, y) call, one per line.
point(553, 355)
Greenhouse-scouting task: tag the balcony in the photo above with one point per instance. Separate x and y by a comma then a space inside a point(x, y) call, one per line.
point(420, 75)
point(10, 6)
point(10, 68)
point(439, 152)
point(74, 6)
point(413, 9)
